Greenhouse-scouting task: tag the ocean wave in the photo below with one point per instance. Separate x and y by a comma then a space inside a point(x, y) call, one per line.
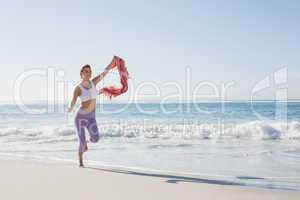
point(255, 130)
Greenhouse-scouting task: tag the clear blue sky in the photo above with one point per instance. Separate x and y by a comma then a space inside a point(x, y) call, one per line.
point(221, 41)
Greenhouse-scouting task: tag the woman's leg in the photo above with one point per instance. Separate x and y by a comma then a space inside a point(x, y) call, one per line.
point(93, 130)
point(80, 124)
point(80, 155)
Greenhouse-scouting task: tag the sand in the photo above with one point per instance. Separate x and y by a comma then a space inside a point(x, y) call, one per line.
point(35, 180)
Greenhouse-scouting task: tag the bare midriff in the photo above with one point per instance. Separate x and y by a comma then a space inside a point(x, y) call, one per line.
point(89, 105)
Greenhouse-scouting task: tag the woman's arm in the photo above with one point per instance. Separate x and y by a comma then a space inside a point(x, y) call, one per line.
point(76, 94)
point(98, 78)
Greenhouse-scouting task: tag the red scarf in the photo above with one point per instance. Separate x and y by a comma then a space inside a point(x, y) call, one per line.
point(113, 91)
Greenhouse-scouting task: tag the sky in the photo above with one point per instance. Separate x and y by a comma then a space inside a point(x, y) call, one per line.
point(174, 50)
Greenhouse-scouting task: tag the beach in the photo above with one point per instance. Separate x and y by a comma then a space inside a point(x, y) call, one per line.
point(237, 151)
point(157, 100)
point(36, 180)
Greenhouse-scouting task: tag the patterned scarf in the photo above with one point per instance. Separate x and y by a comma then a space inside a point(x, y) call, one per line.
point(112, 91)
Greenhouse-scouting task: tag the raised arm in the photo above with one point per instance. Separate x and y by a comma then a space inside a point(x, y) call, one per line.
point(76, 94)
point(99, 77)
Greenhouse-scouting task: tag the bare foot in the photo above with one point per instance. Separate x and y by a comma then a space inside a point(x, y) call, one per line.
point(80, 159)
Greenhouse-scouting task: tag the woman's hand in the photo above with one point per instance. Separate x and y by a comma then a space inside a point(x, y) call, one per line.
point(112, 64)
point(69, 109)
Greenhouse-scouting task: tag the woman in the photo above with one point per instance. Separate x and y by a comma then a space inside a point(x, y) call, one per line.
point(85, 116)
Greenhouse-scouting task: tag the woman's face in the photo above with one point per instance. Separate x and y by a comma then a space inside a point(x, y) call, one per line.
point(86, 73)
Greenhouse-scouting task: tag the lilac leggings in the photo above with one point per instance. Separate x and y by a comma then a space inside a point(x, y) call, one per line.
point(86, 120)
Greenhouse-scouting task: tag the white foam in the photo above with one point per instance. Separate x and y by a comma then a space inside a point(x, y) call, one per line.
point(255, 130)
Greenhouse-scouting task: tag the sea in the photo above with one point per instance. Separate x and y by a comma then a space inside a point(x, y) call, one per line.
point(251, 143)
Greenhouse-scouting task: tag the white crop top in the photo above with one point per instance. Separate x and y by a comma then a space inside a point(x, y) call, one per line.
point(88, 94)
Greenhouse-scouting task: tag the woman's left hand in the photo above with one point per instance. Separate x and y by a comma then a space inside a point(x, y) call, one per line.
point(112, 64)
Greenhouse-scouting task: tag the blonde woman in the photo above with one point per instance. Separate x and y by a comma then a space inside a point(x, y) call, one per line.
point(86, 117)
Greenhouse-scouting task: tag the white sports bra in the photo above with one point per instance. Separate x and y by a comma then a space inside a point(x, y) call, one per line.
point(88, 94)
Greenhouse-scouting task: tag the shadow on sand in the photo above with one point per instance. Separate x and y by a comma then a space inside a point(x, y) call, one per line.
point(174, 179)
